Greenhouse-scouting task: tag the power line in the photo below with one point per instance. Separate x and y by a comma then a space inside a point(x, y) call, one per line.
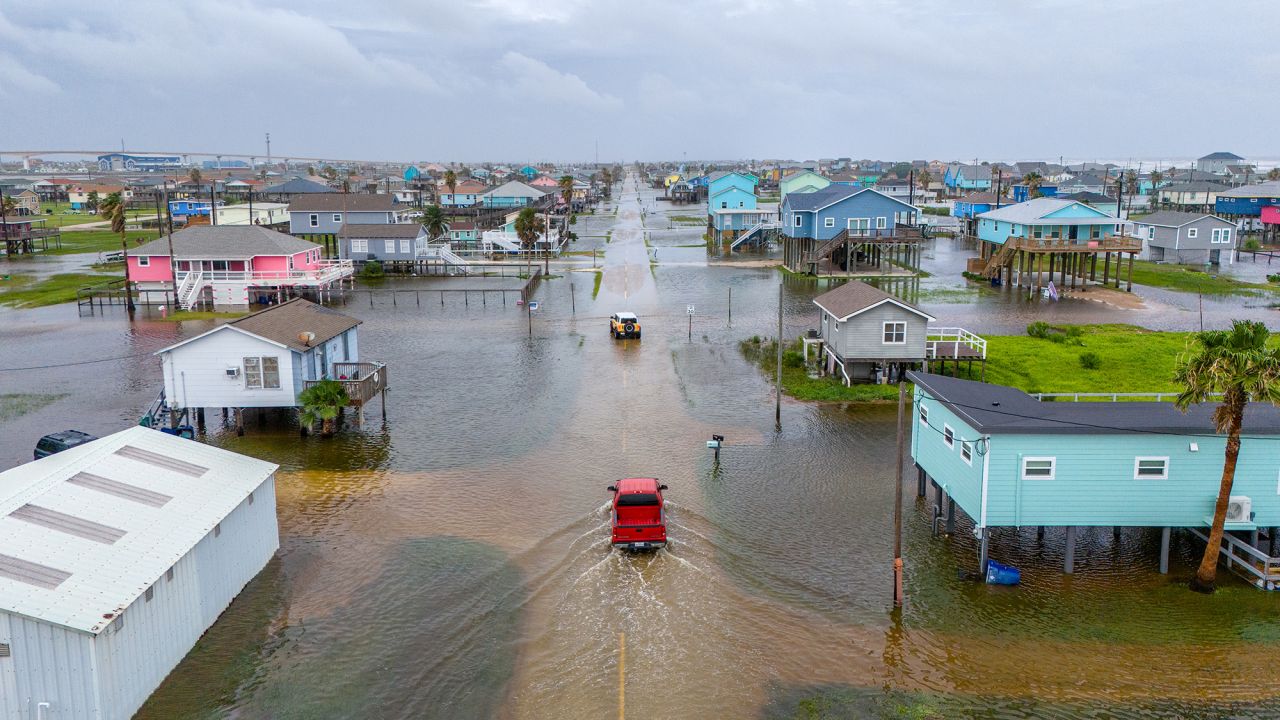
point(73, 364)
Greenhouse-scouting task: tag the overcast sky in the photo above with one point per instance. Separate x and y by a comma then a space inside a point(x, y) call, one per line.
point(537, 80)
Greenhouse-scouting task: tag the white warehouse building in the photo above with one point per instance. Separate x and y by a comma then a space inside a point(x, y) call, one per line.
point(115, 557)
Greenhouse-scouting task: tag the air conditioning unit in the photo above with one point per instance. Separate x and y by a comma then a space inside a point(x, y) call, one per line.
point(1239, 509)
point(233, 372)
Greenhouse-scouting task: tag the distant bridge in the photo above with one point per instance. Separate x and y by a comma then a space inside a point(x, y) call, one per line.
point(26, 155)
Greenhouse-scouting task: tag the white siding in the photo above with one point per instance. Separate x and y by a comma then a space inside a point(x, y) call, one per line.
point(195, 374)
point(67, 667)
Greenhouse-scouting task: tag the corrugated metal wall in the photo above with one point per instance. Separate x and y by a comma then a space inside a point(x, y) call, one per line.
point(135, 653)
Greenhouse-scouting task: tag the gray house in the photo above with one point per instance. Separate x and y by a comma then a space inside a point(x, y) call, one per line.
point(326, 213)
point(865, 330)
point(1217, 162)
point(1185, 238)
point(386, 243)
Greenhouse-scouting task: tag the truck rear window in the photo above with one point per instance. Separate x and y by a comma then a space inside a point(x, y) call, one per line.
point(637, 499)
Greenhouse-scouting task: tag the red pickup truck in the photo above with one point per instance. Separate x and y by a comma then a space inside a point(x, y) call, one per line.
point(639, 518)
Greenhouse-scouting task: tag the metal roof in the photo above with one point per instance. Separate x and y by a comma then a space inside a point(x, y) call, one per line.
point(1266, 189)
point(998, 409)
point(1033, 212)
point(230, 242)
point(297, 186)
point(86, 531)
point(1221, 156)
point(516, 189)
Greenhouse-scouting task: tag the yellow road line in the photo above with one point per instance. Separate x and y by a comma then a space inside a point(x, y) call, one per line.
point(622, 674)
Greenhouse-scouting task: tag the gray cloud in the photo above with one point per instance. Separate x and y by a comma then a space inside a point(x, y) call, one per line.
point(535, 80)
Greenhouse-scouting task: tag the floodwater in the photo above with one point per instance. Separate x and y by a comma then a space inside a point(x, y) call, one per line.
point(454, 561)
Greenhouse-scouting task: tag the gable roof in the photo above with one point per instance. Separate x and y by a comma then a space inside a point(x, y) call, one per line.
point(1194, 186)
point(225, 242)
point(725, 173)
point(342, 202)
point(830, 195)
point(983, 198)
point(975, 172)
point(516, 189)
point(1174, 218)
point(1088, 197)
point(991, 408)
point(468, 187)
point(1037, 209)
point(1266, 189)
point(297, 186)
point(855, 297)
point(380, 230)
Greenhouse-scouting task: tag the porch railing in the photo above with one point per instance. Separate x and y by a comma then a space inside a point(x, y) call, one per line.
point(946, 342)
point(1244, 559)
point(362, 380)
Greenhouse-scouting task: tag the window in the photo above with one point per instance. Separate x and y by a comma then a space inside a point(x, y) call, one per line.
point(1150, 468)
point(796, 221)
point(895, 333)
point(948, 436)
point(724, 204)
point(1038, 468)
point(924, 415)
point(337, 217)
point(829, 222)
point(262, 373)
point(1192, 233)
point(150, 593)
point(168, 575)
point(404, 246)
point(359, 245)
point(314, 220)
point(144, 261)
point(966, 452)
point(741, 204)
point(1151, 233)
point(217, 530)
point(881, 223)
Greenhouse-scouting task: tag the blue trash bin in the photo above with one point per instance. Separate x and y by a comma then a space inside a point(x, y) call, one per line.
point(1001, 574)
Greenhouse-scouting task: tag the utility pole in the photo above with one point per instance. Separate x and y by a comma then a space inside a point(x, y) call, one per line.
point(777, 409)
point(897, 501)
point(268, 150)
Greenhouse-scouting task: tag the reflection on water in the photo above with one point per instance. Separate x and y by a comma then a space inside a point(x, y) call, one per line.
point(454, 562)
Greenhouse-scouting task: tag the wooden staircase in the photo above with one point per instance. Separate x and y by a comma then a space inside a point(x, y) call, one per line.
point(999, 260)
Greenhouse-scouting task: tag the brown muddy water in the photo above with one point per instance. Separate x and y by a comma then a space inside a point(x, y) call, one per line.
point(454, 561)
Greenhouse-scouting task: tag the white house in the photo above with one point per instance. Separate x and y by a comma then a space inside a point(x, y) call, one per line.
point(115, 557)
point(263, 359)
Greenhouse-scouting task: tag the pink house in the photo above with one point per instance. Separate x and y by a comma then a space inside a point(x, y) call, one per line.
point(231, 265)
point(545, 183)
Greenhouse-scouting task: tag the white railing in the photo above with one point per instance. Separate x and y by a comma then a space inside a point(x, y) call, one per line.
point(758, 227)
point(443, 251)
point(504, 240)
point(951, 339)
point(1113, 397)
point(1240, 556)
point(189, 289)
point(327, 271)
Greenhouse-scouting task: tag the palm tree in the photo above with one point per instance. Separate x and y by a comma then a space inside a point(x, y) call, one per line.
point(924, 179)
point(451, 182)
point(1032, 180)
point(527, 227)
point(322, 403)
point(1273, 174)
point(1239, 364)
point(112, 210)
point(1131, 183)
point(311, 170)
point(93, 200)
point(435, 221)
point(1157, 179)
point(195, 175)
point(566, 190)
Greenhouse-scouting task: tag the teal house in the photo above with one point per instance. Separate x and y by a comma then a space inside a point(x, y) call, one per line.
point(463, 233)
point(731, 201)
point(1046, 218)
point(1007, 459)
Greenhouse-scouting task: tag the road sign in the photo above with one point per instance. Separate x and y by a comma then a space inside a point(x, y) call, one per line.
point(533, 305)
point(689, 310)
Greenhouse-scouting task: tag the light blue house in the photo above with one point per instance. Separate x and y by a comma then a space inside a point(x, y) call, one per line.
point(463, 233)
point(960, 177)
point(511, 194)
point(1009, 460)
point(466, 194)
point(864, 212)
point(1046, 218)
point(731, 201)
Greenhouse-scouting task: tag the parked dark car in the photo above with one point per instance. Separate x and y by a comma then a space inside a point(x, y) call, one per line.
point(57, 442)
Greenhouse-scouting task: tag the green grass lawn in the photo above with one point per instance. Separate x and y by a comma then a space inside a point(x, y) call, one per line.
point(13, 405)
point(690, 219)
point(181, 315)
point(96, 241)
point(1189, 279)
point(1131, 360)
point(26, 291)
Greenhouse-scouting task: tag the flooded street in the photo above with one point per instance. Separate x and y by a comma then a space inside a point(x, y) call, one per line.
point(454, 562)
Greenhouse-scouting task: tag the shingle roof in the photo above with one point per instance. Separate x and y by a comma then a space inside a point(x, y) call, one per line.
point(796, 201)
point(1194, 186)
point(229, 242)
point(1170, 218)
point(297, 186)
point(342, 202)
point(1088, 197)
point(1222, 156)
point(1035, 210)
point(984, 198)
point(999, 409)
point(976, 172)
point(515, 188)
point(380, 230)
point(1266, 189)
point(282, 323)
point(855, 296)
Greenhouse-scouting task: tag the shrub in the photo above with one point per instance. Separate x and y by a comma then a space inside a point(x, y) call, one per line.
point(792, 359)
point(1275, 278)
point(573, 219)
point(1039, 329)
point(1252, 244)
point(1090, 360)
point(372, 269)
point(930, 210)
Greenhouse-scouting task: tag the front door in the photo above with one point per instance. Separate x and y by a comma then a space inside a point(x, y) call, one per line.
point(859, 227)
point(1073, 232)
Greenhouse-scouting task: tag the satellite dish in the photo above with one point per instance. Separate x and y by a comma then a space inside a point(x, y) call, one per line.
point(306, 338)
